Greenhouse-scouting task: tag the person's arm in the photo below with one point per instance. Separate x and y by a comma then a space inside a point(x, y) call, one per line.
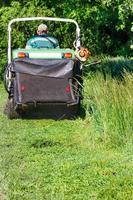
point(28, 44)
point(54, 41)
point(57, 43)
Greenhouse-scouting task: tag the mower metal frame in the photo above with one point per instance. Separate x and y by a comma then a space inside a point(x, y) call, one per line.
point(37, 19)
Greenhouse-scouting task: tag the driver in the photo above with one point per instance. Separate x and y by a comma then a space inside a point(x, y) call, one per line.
point(42, 39)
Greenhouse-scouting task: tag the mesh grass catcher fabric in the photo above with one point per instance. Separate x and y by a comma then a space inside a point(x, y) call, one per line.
point(43, 80)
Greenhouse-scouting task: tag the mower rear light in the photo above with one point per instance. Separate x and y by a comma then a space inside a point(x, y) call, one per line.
point(22, 88)
point(22, 55)
point(68, 89)
point(67, 55)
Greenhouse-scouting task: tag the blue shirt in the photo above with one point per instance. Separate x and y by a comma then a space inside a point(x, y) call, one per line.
point(42, 41)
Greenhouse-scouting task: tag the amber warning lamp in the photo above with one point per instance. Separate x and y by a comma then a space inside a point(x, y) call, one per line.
point(22, 55)
point(67, 55)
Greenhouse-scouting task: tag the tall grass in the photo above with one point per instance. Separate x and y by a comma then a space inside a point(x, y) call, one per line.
point(109, 107)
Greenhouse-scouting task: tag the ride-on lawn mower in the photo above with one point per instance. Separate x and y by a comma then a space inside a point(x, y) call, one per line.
point(44, 81)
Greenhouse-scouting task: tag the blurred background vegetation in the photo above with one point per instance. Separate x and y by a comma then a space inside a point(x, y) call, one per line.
point(105, 24)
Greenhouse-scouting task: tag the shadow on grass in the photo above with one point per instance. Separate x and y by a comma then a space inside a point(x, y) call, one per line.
point(58, 112)
point(44, 143)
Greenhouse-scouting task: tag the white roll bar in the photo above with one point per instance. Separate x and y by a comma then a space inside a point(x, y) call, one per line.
point(40, 18)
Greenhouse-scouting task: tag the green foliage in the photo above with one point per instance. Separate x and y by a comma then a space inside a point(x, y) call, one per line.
point(105, 24)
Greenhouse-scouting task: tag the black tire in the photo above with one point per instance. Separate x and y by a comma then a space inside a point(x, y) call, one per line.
point(10, 110)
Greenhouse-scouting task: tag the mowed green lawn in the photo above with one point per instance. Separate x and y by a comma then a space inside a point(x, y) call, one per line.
point(61, 160)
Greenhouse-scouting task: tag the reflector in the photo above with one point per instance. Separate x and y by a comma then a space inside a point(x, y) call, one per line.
point(22, 88)
point(22, 55)
point(68, 89)
point(67, 55)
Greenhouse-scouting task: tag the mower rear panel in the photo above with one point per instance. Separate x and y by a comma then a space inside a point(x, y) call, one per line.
point(46, 83)
point(44, 53)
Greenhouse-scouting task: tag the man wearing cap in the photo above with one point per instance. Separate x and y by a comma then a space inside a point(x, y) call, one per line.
point(42, 39)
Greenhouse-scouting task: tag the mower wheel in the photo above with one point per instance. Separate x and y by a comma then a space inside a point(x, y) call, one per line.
point(10, 110)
